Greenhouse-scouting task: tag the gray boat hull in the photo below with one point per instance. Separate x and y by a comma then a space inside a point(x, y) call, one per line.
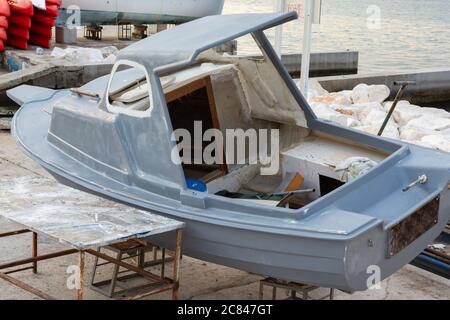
point(348, 239)
point(326, 263)
point(343, 264)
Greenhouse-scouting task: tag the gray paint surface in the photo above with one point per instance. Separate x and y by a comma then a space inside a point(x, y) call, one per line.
point(330, 242)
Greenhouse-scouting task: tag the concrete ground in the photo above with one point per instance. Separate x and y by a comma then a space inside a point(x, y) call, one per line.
point(199, 280)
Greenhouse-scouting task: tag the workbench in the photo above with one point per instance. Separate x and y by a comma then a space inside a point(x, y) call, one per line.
point(83, 223)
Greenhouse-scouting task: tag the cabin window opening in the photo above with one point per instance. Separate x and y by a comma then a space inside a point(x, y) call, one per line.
point(328, 185)
point(192, 109)
point(129, 91)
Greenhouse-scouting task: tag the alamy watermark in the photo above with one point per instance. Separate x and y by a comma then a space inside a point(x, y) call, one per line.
point(373, 21)
point(374, 278)
point(73, 280)
point(73, 17)
point(237, 147)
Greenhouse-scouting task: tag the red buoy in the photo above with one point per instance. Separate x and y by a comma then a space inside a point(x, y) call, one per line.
point(24, 7)
point(4, 8)
point(42, 18)
point(41, 29)
point(3, 22)
point(56, 2)
point(52, 10)
point(39, 40)
point(18, 43)
point(18, 31)
point(3, 35)
point(20, 20)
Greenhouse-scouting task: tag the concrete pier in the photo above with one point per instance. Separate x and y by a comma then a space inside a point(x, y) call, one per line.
point(324, 64)
point(432, 85)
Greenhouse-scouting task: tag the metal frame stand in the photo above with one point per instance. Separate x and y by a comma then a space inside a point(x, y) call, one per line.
point(140, 31)
point(93, 32)
point(161, 283)
point(292, 287)
point(132, 249)
point(124, 31)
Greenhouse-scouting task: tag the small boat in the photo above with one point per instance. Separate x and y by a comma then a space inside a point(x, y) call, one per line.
point(334, 207)
point(114, 12)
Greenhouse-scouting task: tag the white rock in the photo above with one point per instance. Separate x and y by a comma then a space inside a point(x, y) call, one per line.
point(404, 112)
point(438, 142)
point(430, 122)
point(314, 89)
point(348, 110)
point(445, 133)
point(410, 133)
point(340, 98)
point(363, 110)
point(363, 93)
point(391, 131)
point(375, 117)
point(328, 113)
point(436, 112)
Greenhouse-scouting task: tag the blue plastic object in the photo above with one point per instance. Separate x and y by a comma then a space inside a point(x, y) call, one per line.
point(196, 185)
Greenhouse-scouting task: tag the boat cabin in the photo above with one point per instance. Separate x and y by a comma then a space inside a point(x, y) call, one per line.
point(247, 95)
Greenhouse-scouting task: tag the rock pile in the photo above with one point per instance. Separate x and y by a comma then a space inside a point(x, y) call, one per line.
point(364, 108)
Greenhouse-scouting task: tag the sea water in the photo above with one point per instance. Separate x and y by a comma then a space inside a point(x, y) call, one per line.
point(394, 35)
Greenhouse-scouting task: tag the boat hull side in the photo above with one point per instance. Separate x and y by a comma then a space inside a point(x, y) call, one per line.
point(349, 265)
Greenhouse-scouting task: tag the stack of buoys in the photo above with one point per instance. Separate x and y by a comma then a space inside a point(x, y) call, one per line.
point(42, 23)
point(5, 12)
point(19, 23)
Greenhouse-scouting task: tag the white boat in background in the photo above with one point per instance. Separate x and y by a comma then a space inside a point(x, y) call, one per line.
point(111, 12)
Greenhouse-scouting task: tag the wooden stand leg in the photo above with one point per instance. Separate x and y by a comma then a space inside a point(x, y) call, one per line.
point(176, 265)
point(163, 263)
point(261, 291)
point(81, 280)
point(35, 252)
point(115, 274)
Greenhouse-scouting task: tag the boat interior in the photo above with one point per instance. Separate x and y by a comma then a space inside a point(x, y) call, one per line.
point(229, 93)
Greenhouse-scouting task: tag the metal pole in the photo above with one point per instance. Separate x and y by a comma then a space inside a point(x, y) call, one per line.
point(279, 7)
point(307, 35)
point(35, 252)
point(80, 293)
point(176, 265)
point(404, 85)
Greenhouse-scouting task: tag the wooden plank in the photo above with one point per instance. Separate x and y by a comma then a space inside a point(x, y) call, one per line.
point(185, 90)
